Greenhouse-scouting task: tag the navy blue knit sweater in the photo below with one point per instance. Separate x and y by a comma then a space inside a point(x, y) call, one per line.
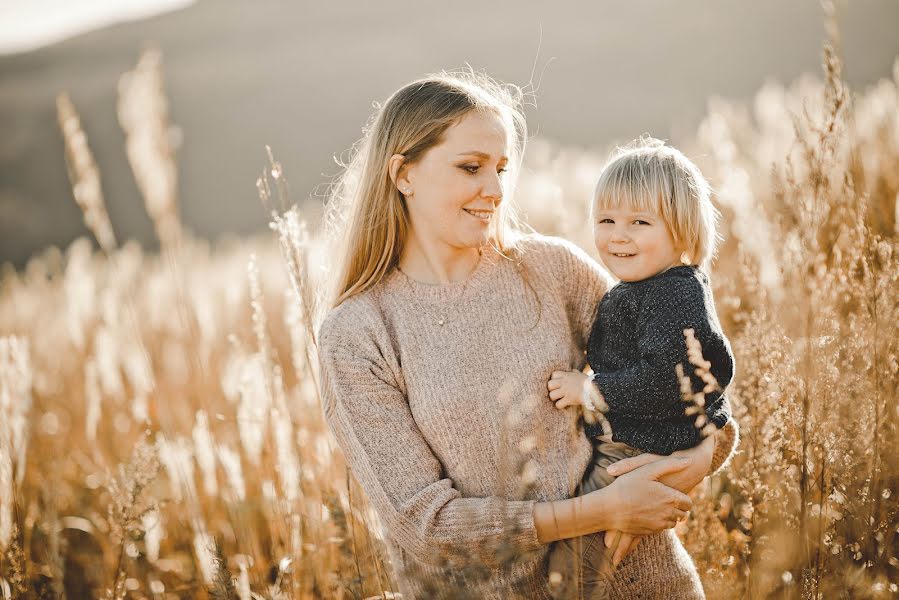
point(636, 341)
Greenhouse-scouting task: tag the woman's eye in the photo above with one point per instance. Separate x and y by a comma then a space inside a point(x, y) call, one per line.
point(503, 170)
point(471, 168)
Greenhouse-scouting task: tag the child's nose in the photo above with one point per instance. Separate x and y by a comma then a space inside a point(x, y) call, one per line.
point(620, 235)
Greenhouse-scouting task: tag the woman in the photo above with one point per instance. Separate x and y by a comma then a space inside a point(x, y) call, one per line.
point(444, 328)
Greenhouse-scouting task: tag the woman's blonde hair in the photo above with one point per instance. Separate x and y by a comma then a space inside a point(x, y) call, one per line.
point(648, 175)
point(367, 216)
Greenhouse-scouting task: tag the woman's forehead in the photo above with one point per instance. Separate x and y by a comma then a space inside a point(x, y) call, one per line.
point(479, 134)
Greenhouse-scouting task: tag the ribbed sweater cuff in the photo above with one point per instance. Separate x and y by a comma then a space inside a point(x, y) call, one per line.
point(523, 531)
point(726, 440)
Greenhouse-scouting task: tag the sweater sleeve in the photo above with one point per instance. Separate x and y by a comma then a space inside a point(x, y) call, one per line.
point(585, 283)
point(367, 411)
point(726, 440)
point(649, 388)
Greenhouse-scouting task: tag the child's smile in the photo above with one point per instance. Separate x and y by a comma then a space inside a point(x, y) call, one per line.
point(634, 245)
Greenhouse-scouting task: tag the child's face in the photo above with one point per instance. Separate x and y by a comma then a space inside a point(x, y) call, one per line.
point(634, 245)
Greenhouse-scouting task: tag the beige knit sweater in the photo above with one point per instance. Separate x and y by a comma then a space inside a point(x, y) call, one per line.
point(449, 430)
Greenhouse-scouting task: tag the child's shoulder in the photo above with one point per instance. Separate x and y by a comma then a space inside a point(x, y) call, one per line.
point(676, 285)
point(684, 278)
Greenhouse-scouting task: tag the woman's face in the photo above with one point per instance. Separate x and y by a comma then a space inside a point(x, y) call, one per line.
point(457, 186)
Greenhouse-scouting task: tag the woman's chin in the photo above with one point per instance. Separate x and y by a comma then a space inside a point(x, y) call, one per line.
point(475, 239)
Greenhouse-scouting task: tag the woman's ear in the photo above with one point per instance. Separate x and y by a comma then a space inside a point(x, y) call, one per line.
point(396, 167)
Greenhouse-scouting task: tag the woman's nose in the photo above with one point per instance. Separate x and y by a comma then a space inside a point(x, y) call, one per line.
point(493, 188)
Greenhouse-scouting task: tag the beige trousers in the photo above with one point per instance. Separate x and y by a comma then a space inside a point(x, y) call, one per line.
point(584, 563)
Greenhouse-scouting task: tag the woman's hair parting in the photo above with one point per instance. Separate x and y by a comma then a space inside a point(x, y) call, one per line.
point(650, 176)
point(366, 215)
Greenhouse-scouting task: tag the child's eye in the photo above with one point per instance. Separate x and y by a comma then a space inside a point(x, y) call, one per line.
point(604, 221)
point(641, 222)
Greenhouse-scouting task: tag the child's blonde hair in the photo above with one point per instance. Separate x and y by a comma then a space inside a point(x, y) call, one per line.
point(367, 215)
point(648, 175)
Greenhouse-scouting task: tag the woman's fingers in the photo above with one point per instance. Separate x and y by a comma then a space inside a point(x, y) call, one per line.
point(627, 544)
point(611, 537)
point(627, 465)
point(682, 501)
point(669, 464)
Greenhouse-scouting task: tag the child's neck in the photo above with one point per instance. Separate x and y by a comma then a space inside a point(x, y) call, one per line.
point(660, 271)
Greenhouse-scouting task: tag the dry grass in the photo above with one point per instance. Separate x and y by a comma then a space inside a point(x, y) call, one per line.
point(160, 429)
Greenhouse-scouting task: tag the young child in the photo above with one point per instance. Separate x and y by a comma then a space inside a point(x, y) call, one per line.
point(655, 230)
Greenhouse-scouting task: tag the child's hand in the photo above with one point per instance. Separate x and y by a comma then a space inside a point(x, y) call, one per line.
point(566, 388)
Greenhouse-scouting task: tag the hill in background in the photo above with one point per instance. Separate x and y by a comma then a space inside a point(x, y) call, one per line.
point(302, 77)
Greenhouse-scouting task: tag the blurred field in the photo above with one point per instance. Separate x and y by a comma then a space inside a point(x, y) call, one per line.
point(160, 430)
point(301, 77)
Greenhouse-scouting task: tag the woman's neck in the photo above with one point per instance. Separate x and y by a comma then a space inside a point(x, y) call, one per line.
point(437, 263)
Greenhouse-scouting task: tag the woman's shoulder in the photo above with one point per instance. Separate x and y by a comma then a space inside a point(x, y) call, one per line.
point(556, 255)
point(350, 319)
point(536, 248)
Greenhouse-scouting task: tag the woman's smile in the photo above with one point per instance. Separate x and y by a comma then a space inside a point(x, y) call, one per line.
point(480, 215)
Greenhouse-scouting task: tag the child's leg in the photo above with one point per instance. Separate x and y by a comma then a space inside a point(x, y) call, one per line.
point(584, 563)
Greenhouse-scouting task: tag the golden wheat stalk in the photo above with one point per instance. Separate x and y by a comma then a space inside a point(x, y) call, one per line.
point(150, 142)
point(83, 174)
point(696, 400)
point(294, 243)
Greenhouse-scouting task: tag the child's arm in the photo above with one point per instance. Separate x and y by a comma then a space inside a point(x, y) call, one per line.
point(649, 389)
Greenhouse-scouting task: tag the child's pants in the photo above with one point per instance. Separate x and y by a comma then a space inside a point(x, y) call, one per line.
point(584, 561)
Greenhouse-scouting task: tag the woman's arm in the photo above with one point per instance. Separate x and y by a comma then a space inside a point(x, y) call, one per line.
point(708, 458)
point(637, 503)
point(367, 411)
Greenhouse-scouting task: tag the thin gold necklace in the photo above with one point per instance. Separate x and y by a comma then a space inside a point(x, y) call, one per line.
point(443, 316)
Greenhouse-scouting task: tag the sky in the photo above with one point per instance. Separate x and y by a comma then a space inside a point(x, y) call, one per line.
point(29, 24)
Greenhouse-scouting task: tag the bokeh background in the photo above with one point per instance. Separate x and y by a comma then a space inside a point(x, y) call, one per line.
point(302, 77)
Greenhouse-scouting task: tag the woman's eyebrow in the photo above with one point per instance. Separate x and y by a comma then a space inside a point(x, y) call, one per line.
point(480, 154)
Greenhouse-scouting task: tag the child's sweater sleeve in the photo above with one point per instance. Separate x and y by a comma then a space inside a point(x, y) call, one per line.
point(648, 389)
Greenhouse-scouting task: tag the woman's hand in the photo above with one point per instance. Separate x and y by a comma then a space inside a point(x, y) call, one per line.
point(633, 503)
point(641, 504)
point(684, 480)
